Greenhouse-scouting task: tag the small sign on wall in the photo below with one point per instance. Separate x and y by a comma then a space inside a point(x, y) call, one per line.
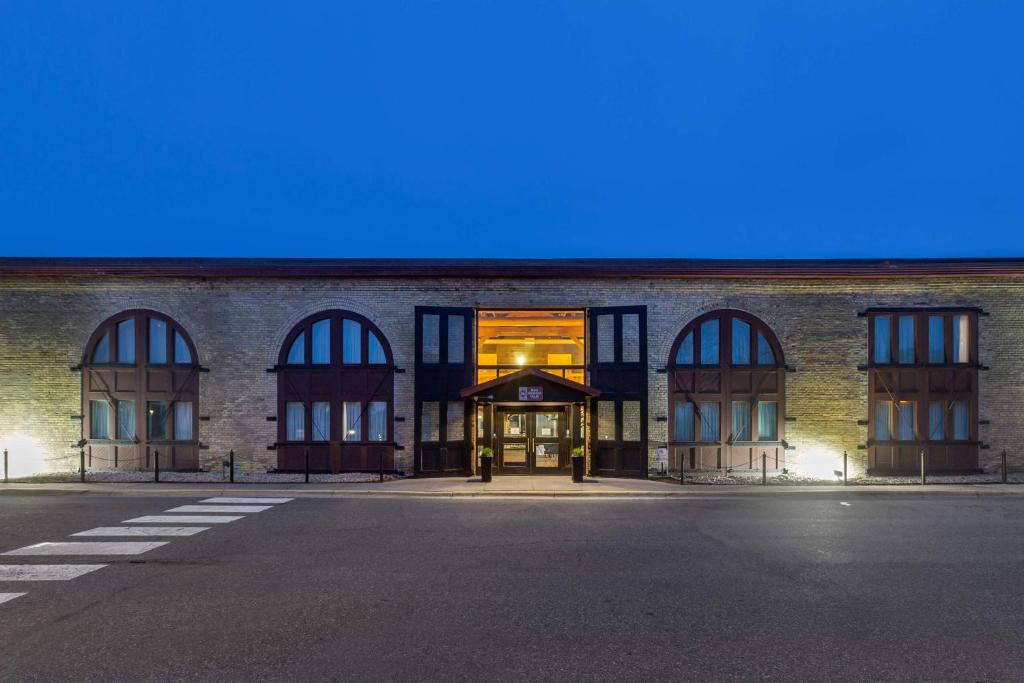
point(661, 454)
point(531, 393)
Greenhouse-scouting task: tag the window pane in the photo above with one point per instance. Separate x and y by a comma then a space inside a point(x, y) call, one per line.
point(606, 338)
point(431, 339)
point(765, 355)
point(936, 340)
point(101, 354)
point(631, 420)
point(183, 421)
point(684, 356)
point(709, 342)
point(936, 412)
point(157, 420)
point(684, 421)
point(630, 338)
point(430, 422)
point(740, 342)
point(883, 340)
point(456, 418)
point(351, 342)
point(905, 417)
point(99, 419)
point(882, 411)
point(374, 350)
point(157, 341)
point(709, 421)
point(767, 421)
point(322, 342)
point(378, 421)
point(181, 352)
point(456, 339)
point(606, 420)
point(126, 420)
point(353, 427)
point(961, 421)
point(906, 338)
point(961, 337)
point(295, 422)
point(297, 353)
point(740, 421)
point(126, 341)
point(321, 421)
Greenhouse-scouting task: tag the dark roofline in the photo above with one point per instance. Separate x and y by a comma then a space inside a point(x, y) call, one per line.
point(512, 268)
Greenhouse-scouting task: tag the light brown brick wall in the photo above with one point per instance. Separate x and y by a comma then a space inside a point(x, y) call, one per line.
point(239, 324)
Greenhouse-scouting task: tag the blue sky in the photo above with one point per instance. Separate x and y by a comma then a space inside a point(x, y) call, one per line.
point(545, 129)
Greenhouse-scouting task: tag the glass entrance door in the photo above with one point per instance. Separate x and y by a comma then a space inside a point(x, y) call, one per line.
point(533, 440)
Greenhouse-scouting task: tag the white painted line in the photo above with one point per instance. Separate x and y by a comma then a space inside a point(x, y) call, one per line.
point(88, 548)
point(247, 501)
point(183, 519)
point(6, 597)
point(220, 508)
point(845, 503)
point(143, 531)
point(45, 572)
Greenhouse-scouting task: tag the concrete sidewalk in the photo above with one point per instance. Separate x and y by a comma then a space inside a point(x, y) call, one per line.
point(452, 487)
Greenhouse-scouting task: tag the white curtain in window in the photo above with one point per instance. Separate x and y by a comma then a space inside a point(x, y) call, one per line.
point(321, 421)
point(767, 421)
point(961, 420)
point(101, 354)
point(882, 430)
point(936, 412)
point(99, 419)
point(906, 338)
point(378, 421)
point(765, 355)
point(351, 342)
point(740, 342)
point(353, 414)
point(181, 352)
point(456, 339)
point(961, 337)
point(684, 421)
point(905, 417)
point(322, 342)
point(126, 420)
point(295, 422)
point(297, 353)
point(709, 343)
point(740, 421)
point(183, 421)
point(374, 350)
point(936, 340)
point(883, 339)
point(157, 341)
point(709, 421)
point(684, 356)
point(126, 341)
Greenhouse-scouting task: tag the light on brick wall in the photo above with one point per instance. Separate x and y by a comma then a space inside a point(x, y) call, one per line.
point(819, 461)
point(24, 455)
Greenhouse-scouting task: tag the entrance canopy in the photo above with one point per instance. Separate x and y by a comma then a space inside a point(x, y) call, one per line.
point(530, 385)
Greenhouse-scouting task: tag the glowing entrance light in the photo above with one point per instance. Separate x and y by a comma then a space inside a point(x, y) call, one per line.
point(520, 360)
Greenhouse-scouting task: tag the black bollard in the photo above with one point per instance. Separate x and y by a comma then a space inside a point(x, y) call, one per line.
point(5, 465)
point(1004, 467)
point(156, 466)
point(844, 467)
point(307, 465)
point(924, 477)
point(81, 465)
point(231, 467)
point(764, 468)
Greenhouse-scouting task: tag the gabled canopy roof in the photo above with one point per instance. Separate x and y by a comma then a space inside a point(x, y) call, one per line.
point(532, 373)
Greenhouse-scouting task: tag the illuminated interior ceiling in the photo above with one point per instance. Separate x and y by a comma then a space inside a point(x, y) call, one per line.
point(550, 340)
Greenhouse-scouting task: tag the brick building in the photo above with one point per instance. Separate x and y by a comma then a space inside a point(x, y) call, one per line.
point(416, 365)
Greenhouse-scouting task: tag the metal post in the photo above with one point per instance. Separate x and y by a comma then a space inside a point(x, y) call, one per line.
point(81, 465)
point(382, 465)
point(844, 467)
point(764, 468)
point(1004, 466)
point(231, 466)
point(924, 477)
point(156, 467)
point(307, 465)
point(5, 465)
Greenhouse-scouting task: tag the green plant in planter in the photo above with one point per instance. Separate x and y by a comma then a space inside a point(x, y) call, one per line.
point(577, 452)
point(487, 452)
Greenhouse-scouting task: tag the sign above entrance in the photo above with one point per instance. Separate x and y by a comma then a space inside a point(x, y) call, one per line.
point(531, 393)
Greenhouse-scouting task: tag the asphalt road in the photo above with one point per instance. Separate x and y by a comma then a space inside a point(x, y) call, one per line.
point(890, 586)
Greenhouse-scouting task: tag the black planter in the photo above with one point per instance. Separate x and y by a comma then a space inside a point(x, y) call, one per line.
point(485, 468)
point(579, 464)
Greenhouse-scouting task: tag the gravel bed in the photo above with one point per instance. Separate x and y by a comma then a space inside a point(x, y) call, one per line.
point(135, 476)
point(718, 478)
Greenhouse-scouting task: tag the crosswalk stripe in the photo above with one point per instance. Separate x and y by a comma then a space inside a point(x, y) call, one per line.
point(247, 501)
point(143, 531)
point(88, 548)
point(220, 508)
point(45, 572)
point(183, 519)
point(5, 597)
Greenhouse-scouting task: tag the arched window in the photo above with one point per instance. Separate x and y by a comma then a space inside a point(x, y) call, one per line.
point(336, 395)
point(140, 393)
point(726, 394)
